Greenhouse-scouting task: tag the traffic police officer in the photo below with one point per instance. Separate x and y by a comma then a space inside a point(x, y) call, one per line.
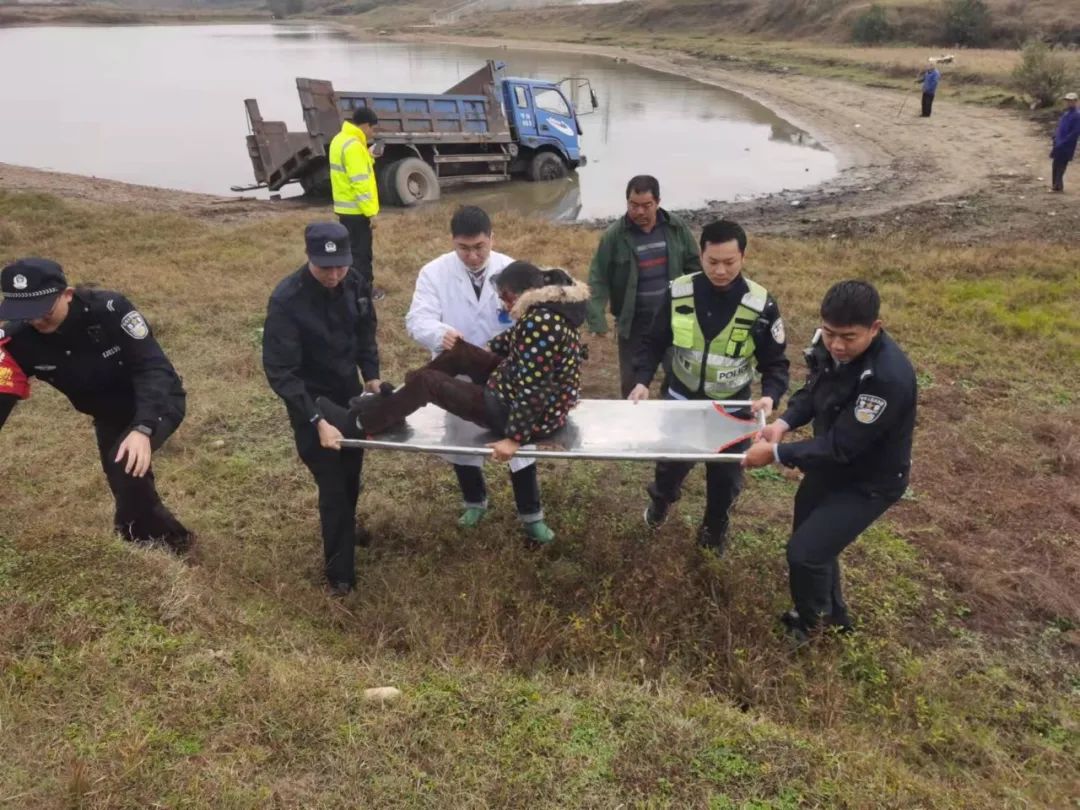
point(95, 348)
point(352, 180)
point(860, 396)
point(320, 327)
point(719, 325)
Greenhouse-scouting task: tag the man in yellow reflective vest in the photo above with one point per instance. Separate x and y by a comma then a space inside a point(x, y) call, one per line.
point(720, 327)
point(352, 178)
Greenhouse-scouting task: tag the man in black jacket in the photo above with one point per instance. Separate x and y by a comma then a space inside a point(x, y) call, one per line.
point(861, 396)
point(719, 326)
point(95, 348)
point(320, 328)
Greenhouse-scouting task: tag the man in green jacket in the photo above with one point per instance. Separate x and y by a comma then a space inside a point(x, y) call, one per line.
point(638, 257)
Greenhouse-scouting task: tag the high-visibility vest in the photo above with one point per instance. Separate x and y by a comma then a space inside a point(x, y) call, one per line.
point(352, 173)
point(722, 367)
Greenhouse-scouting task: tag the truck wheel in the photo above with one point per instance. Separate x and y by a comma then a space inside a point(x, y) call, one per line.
point(317, 183)
point(384, 179)
point(414, 182)
point(546, 166)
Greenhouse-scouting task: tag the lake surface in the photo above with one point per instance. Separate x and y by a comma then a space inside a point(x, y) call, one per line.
point(163, 106)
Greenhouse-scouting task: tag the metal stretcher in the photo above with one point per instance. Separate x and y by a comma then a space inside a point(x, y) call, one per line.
point(597, 429)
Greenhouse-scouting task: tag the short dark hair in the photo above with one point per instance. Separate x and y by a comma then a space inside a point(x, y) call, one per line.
point(364, 115)
point(723, 230)
point(641, 183)
point(470, 220)
point(851, 303)
point(519, 277)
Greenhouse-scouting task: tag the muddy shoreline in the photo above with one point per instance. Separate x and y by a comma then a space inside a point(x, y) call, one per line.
point(968, 172)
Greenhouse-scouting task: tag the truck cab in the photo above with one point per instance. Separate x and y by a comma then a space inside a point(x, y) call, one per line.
point(543, 120)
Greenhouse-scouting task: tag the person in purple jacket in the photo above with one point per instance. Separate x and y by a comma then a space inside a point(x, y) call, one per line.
point(1065, 137)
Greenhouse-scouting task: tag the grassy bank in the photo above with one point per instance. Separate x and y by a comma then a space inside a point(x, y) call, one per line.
point(615, 668)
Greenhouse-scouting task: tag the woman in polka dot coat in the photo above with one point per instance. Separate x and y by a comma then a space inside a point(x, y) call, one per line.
point(522, 386)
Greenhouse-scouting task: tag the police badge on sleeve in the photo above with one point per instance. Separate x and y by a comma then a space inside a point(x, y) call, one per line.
point(135, 325)
point(868, 408)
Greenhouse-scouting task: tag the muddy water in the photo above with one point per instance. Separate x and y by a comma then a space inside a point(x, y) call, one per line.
point(163, 106)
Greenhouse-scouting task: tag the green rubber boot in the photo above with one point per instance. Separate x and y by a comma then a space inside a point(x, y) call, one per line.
point(471, 516)
point(538, 532)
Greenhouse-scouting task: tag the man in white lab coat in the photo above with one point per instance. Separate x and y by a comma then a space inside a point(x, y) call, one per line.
point(455, 300)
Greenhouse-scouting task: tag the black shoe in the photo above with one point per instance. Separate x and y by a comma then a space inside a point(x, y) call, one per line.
point(360, 407)
point(339, 590)
point(344, 420)
point(791, 618)
point(715, 541)
point(802, 631)
point(656, 513)
point(182, 545)
point(178, 544)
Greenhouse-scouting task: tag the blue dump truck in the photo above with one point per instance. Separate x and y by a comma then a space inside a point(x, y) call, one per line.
point(488, 127)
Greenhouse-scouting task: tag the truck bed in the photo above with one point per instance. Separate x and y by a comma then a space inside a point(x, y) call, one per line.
point(470, 113)
point(405, 117)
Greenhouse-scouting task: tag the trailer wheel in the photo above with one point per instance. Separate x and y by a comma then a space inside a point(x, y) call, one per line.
point(414, 182)
point(317, 183)
point(546, 166)
point(384, 179)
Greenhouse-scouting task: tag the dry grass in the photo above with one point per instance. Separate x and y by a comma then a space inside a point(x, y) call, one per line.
point(914, 21)
point(972, 64)
point(613, 670)
point(730, 36)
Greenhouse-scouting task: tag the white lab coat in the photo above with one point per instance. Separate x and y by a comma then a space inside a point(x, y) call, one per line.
point(444, 299)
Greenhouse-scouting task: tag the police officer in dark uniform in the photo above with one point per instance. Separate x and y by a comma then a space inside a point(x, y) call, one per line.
point(95, 348)
point(860, 396)
point(320, 327)
point(719, 326)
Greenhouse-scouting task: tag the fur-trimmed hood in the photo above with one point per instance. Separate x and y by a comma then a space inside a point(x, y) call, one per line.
point(571, 301)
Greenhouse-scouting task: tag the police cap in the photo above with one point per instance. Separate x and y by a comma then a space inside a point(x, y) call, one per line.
point(30, 288)
point(328, 244)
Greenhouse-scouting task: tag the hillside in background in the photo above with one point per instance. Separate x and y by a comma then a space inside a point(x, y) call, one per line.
point(939, 22)
point(945, 23)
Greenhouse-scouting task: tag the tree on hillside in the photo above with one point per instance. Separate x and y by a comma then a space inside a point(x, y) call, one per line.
point(967, 22)
point(1042, 74)
point(872, 26)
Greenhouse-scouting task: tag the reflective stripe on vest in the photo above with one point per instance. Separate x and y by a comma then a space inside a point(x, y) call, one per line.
point(722, 367)
point(356, 193)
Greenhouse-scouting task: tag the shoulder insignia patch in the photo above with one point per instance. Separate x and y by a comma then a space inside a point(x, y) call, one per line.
point(135, 325)
point(777, 330)
point(868, 408)
point(109, 305)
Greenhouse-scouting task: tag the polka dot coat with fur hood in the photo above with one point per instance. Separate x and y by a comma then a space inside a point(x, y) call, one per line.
point(540, 379)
